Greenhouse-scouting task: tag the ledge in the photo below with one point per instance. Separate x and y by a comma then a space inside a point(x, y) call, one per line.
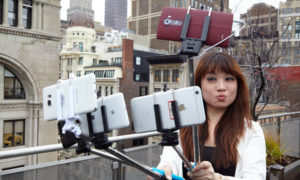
point(28, 33)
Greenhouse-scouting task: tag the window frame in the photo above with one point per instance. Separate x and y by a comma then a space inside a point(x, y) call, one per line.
point(16, 81)
point(13, 12)
point(14, 132)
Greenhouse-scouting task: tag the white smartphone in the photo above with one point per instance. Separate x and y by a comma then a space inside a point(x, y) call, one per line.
point(189, 104)
point(116, 113)
point(84, 98)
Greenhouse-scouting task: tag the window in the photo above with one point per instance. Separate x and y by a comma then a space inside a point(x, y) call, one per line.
point(94, 62)
point(109, 73)
point(1, 12)
point(285, 27)
point(13, 133)
point(138, 60)
point(88, 72)
point(81, 46)
point(27, 13)
point(78, 73)
point(69, 61)
point(80, 61)
point(75, 45)
point(176, 3)
point(181, 3)
point(286, 45)
point(12, 12)
point(143, 90)
point(192, 3)
point(166, 77)
point(13, 88)
point(106, 91)
point(287, 10)
point(99, 92)
point(175, 75)
point(286, 61)
point(118, 60)
point(286, 52)
point(111, 90)
point(137, 77)
point(138, 142)
point(99, 73)
point(157, 76)
point(297, 61)
point(196, 4)
point(202, 6)
point(157, 89)
point(298, 10)
point(297, 52)
point(297, 34)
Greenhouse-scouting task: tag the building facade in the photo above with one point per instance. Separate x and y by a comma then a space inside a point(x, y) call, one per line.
point(146, 14)
point(289, 32)
point(260, 18)
point(116, 14)
point(29, 61)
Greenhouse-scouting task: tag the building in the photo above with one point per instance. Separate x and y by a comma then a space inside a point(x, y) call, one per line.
point(82, 6)
point(29, 61)
point(260, 18)
point(289, 32)
point(116, 14)
point(117, 59)
point(146, 14)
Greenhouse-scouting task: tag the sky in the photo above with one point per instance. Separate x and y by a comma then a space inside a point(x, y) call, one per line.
point(237, 6)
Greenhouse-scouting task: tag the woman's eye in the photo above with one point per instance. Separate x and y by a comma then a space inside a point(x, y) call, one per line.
point(211, 79)
point(230, 79)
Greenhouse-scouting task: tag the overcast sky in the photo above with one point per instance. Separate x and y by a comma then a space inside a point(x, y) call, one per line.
point(237, 6)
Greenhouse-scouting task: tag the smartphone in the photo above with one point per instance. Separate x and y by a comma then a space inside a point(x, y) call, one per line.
point(189, 105)
point(172, 20)
point(83, 100)
point(116, 113)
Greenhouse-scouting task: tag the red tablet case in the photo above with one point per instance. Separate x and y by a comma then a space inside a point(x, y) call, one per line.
point(219, 28)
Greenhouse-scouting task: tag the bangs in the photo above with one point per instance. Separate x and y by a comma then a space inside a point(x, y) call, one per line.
point(220, 63)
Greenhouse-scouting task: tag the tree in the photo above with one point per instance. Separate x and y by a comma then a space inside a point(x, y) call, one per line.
point(258, 52)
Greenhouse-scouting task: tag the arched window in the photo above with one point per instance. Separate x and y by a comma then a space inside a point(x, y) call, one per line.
point(13, 88)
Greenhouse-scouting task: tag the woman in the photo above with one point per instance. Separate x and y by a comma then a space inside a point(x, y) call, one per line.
point(232, 146)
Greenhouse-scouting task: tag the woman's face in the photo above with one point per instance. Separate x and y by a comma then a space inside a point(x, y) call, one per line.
point(219, 89)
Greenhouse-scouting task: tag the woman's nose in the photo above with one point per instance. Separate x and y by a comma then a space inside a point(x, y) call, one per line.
point(221, 85)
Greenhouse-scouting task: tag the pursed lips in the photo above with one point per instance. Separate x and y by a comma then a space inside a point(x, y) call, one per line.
point(221, 97)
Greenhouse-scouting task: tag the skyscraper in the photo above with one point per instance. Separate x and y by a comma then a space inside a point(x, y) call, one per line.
point(116, 14)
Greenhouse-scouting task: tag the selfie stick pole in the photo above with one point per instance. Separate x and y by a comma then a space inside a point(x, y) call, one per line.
point(192, 48)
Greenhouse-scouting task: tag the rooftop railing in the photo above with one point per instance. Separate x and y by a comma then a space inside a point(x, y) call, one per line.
point(110, 167)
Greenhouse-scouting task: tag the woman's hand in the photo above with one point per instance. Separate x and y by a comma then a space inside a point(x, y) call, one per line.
point(166, 169)
point(204, 171)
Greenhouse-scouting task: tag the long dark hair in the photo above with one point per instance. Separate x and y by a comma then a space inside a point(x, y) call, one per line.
point(231, 126)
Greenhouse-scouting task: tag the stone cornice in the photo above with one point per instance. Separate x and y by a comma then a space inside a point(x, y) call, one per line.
point(28, 33)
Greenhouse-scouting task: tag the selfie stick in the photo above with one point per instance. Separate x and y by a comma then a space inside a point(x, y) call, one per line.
point(100, 141)
point(192, 47)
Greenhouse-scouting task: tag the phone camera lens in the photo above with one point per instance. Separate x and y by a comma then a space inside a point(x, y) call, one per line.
point(167, 21)
point(49, 102)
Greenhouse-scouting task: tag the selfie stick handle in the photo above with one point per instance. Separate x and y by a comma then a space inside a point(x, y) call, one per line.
point(134, 163)
point(163, 173)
